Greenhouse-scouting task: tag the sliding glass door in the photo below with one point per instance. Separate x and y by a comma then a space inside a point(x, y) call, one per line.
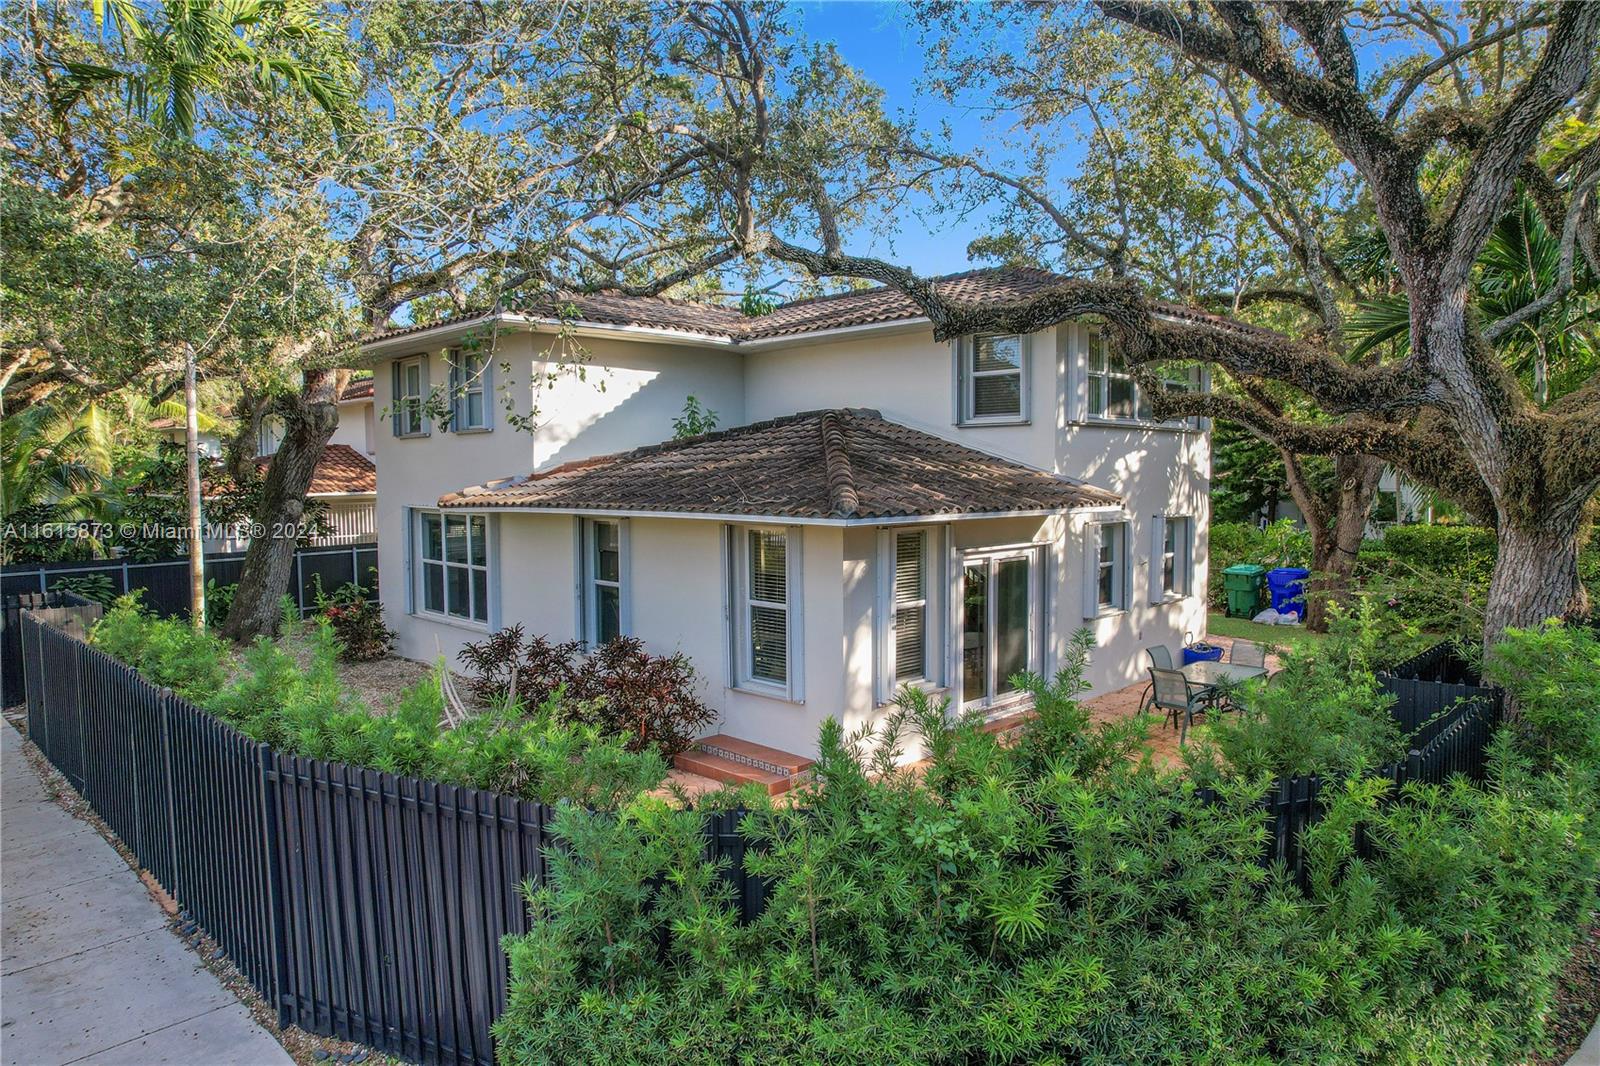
point(997, 624)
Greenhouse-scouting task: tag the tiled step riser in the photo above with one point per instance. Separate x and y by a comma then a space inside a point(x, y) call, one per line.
point(745, 760)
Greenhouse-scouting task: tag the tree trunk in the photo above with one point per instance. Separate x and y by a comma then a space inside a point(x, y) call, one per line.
point(309, 420)
point(1335, 554)
point(191, 458)
point(1535, 577)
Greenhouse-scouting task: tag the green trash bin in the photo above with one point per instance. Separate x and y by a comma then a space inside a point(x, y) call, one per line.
point(1243, 583)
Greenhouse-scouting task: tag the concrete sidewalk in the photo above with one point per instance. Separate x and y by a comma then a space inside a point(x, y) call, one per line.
point(89, 970)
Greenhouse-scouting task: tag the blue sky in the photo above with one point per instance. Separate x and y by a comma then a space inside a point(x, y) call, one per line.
point(881, 41)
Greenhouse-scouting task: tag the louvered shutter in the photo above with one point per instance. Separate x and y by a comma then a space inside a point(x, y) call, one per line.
point(1158, 551)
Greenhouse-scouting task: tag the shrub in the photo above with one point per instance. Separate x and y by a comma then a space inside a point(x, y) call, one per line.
point(1323, 713)
point(651, 701)
point(1552, 675)
point(357, 623)
point(547, 756)
point(1037, 903)
point(1280, 544)
point(167, 651)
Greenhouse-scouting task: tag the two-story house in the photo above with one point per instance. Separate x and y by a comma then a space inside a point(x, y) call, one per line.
point(876, 508)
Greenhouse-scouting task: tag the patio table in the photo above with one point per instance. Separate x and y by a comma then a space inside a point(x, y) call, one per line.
point(1211, 674)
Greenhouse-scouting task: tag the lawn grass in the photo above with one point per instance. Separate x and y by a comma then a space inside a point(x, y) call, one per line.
point(1295, 637)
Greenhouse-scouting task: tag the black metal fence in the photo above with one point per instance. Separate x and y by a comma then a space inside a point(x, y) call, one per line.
point(166, 589)
point(371, 907)
point(364, 905)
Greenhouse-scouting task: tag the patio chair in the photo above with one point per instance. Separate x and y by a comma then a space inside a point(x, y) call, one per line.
point(1179, 697)
point(1161, 658)
point(1248, 653)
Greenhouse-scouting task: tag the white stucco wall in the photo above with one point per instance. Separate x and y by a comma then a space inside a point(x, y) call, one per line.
point(627, 396)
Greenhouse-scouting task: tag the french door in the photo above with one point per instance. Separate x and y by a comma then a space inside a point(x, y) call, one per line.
point(998, 624)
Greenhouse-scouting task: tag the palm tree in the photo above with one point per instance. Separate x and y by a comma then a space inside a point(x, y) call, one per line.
point(193, 49)
point(1552, 352)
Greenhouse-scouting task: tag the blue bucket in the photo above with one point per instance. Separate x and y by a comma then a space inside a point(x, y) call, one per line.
point(1202, 653)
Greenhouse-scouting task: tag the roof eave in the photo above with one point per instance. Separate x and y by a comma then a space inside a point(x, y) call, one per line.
point(773, 519)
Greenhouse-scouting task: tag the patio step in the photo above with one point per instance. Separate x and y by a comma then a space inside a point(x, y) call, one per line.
point(739, 762)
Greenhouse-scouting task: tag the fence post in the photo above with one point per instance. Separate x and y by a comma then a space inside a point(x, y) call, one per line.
point(275, 890)
point(1413, 765)
point(169, 786)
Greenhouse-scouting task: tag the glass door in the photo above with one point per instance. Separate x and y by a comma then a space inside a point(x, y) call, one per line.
point(996, 625)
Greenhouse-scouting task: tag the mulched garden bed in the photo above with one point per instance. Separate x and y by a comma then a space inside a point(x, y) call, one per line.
point(1577, 1000)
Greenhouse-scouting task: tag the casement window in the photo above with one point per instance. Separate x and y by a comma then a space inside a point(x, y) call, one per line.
point(992, 373)
point(604, 545)
point(410, 396)
point(1105, 568)
point(764, 564)
point(470, 393)
point(999, 623)
point(451, 565)
point(1171, 557)
point(909, 623)
point(1114, 395)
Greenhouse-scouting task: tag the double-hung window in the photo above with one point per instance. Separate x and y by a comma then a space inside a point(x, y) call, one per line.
point(993, 378)
point(469, 392)
point(766, 626)
point(1114, 394)
point(1106, 572)
point(269, 435)
point(410, 396)
point(999, 608)
point(603, 581)
point(453, 565)
point(1171, 557)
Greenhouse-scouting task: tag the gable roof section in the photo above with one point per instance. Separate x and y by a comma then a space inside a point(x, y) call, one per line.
point(994, 285)
point(341, 471)
point(847, 465)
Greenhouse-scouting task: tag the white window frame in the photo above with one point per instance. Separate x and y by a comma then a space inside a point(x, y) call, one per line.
point(1097, 387)
point(888, 607)
point(992, 702)
point(966, 356)
point(741, 651)
point(1181, 553)
point(269, 435)
point(419, 564)
point(590, 581)
point(1093, 566)
point(407, 403)
point(470, 374)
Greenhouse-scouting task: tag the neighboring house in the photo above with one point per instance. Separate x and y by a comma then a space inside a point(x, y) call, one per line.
point(877, 509)
point(345, 477)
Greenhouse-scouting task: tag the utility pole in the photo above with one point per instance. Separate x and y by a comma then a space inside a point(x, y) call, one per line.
point(191, 454)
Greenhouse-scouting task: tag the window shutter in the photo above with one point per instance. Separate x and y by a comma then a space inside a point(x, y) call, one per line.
point(487, 380)
point(1091, 570)
point(1025, 397)
point(427, 394)
point(1158, 548)
point(453, 361)
point(1187, 548)
point(958, 348)
point(394, 404)
point(411, 554)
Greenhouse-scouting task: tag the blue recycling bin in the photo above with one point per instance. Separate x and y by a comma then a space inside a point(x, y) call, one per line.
point(1287, 587)
point(1202, 653)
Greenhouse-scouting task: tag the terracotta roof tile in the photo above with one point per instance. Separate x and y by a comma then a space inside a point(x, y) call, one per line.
point(839, 464)
point(858, 308)
point(341, 469)
point(357, 390)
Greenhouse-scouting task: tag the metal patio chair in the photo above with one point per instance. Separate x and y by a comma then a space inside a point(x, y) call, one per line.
point(1248, 653)
point(1161, 659)
point(1179, 697)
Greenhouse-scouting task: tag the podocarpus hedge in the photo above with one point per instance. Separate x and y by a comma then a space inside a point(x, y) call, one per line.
point(1054, 902)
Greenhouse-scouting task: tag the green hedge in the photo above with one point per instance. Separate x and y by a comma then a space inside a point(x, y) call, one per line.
point(1053, 902)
